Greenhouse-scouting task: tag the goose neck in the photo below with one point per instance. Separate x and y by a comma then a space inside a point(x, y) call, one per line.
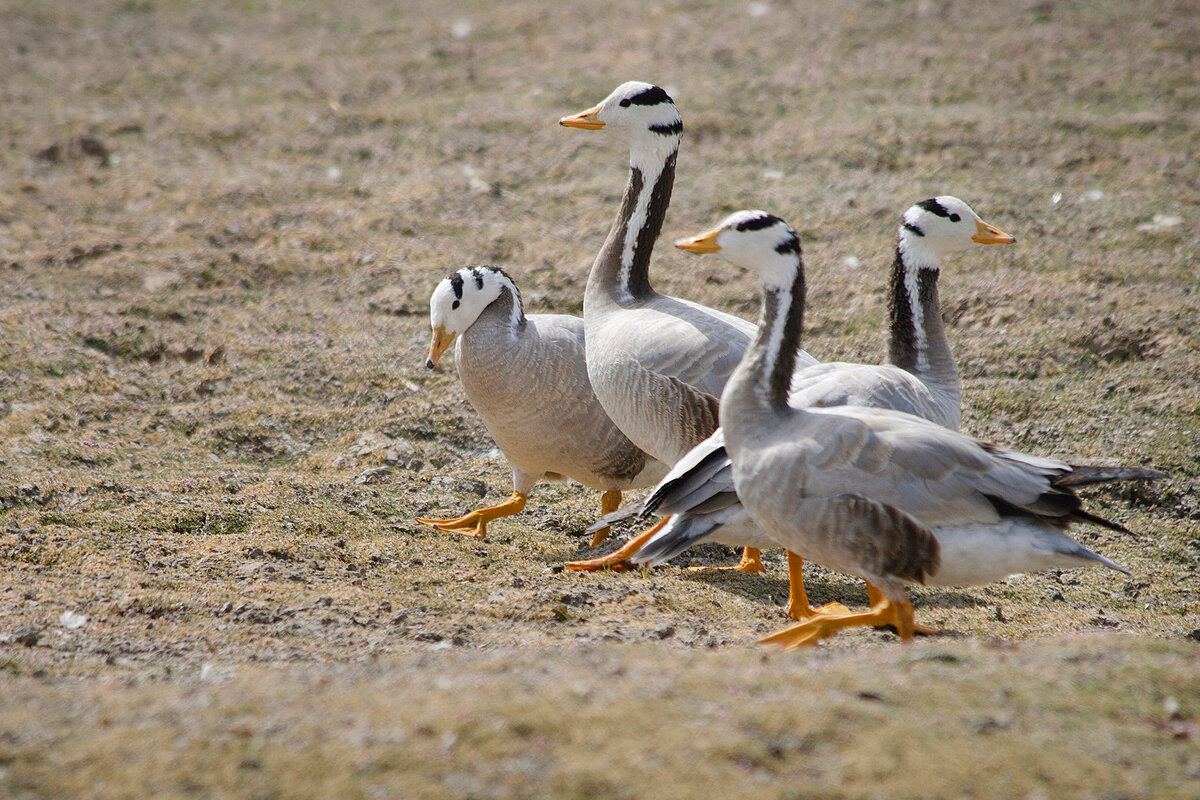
point(621, 270)
point(918, 341)
point(502, 315)
point(766, 369)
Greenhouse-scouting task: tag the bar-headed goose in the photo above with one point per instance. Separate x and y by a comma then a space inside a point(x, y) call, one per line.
point(527, 378)
point(922, 379)
point(877, 493)
point(657, 363)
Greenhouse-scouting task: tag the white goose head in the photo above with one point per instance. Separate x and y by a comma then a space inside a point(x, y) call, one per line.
point(754, 240)
point(941, 225)
point(764, 242)
point(458, 301)
point(642, 113)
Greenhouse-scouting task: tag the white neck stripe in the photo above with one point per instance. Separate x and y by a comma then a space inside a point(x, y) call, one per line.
point(914, 256)
point(633, 229)
point(774, 340)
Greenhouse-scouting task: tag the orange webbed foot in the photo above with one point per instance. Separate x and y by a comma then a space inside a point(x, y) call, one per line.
point(619, 559)
point(474, 524)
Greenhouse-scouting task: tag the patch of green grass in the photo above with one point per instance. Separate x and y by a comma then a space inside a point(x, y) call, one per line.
point(66, 519)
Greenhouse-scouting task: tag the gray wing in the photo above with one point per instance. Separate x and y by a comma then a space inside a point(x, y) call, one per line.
point(698, 345)
point(659, 369)
point(938, 476)
point(838, 384)
point(702, 481)
point(661, 413)
point(674, 338)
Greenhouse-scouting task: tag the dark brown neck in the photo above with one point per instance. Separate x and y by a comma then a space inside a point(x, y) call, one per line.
point(622, 268)
point(918, 340)
point(775, 345)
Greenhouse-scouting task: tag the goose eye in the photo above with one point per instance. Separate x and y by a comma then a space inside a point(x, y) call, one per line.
point(455, 305)
point(955, 217)
point(625, 103)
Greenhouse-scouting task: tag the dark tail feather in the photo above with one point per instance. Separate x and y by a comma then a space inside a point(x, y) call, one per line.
point(717, 502)
point(1079, 515)
point(681, 532)
point(679, 485)
point(613, 517)
point(1087, 475)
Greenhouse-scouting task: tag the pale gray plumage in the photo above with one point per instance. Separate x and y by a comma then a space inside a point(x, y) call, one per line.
point(881, 494)
point(928, 385)
point(526, 376)
point(657, 363)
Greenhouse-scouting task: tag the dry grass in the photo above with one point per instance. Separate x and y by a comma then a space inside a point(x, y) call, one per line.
point(212, 336)
point(1093, 719)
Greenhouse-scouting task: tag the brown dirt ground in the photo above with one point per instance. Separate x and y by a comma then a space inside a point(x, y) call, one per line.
point(219, 226)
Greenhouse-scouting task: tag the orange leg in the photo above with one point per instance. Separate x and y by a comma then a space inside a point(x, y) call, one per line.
point(885, 612)
point(874, 595)
point(751, 562)
point(610, 501)
point(475, 523)
point(618, 560)
point(798, 605)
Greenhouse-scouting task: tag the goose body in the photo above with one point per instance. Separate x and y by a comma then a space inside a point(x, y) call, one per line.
point(527, 378)
point(894, 498)
point(657, 363)
point(878, 493)
point(661, 368)
point(921, 380)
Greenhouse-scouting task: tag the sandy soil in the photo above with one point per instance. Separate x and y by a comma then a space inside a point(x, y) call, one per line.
point(219, 227)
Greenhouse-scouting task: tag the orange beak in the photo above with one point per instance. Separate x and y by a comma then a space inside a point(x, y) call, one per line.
point(702, 242)
point(588, 120)
point(988, 234)
point(441, 340)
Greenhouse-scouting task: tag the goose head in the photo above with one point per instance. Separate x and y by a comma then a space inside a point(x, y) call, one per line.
point(945, 224)
point(458, 301)
point(754, 240)
point(642, 113)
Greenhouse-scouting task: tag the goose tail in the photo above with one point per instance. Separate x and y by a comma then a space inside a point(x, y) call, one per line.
point(1083, 552)
point(681, 532)
point(1089, 475)
point(613, 517)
